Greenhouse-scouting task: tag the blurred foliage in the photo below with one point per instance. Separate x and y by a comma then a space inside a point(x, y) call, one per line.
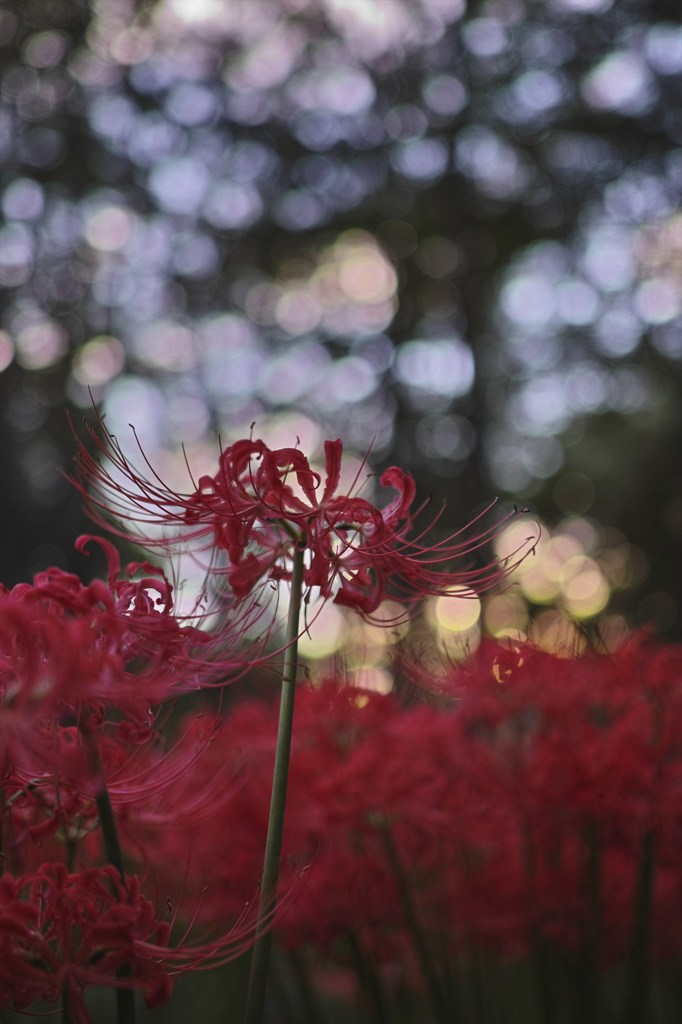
point(449, 230)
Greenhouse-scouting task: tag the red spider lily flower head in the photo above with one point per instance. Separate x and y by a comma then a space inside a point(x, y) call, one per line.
point(163, 648)
point(71, 652)
point(61, 933)
point(262, 502)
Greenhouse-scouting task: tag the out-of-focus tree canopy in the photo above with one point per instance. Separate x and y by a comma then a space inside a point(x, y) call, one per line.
point(451, 229)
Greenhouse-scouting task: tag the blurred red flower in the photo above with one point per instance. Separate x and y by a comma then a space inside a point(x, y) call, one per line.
point(506, 804)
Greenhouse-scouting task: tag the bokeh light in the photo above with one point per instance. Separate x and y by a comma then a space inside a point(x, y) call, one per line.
point(420, 225)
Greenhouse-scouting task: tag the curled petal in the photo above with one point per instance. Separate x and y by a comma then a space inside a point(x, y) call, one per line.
point(404, 484)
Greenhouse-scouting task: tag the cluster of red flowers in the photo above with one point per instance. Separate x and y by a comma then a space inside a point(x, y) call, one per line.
point(532, 802)
point(86, 775)
point(84, 669)
point(61, 933)
point(518, 803)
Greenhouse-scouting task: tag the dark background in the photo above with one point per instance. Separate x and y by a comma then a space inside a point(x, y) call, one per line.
point(453, 230)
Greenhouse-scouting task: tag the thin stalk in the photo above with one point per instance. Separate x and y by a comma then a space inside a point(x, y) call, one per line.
point(589, 1009)
point(424, 954)
point(541, 981)
point(369, 980)
point(125, 997)
point(66, 1017)
point(281, 986)
point(639, 973)
point(70, 853)
point(313, 1011)
point(260, 961)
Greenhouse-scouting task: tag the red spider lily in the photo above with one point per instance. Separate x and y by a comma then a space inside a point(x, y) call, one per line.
point(262, 502)
point(154, 637)
point(43, 814)
point(61, 933)
point(70, 652)
point(175, 786)
point(151, 786)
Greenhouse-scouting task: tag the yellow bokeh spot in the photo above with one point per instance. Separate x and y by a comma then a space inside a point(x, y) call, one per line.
point(458, 612)
point(541, 581)
point(512, 541)
point(323, 636)
point(539, 585)
point(504, 614)
point(378, 680)
point(517, 635)
point(584, 588)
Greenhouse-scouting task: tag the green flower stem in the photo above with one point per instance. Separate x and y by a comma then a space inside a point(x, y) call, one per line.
point(255, 999)
point(125, 997)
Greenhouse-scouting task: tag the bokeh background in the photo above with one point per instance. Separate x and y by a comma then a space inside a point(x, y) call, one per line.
point(449, 230)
